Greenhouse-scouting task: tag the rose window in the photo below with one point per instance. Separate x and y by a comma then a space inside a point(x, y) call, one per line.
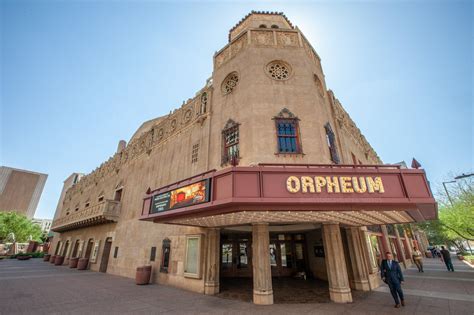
point(230, 82)
point(278, 70)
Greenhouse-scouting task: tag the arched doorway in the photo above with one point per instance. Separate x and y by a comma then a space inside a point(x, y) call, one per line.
point(90, 244)
point(66, 247)
point(74, 250)
point(58, 246)
point(105, 255)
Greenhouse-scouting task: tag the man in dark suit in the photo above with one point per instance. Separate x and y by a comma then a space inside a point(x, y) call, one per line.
point(392, 275)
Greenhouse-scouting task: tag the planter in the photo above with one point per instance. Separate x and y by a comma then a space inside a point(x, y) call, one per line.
point(82, 263)
point(59, 260)
point(461, 257)
point(73, 262)
point(23, 257)
point(52, 259)
point(143, 275)
point(46, 257)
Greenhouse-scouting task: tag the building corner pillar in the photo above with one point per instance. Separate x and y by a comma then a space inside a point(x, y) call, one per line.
point(262, 273)
point(211, 283)
point(357, 259)
point(339, 290)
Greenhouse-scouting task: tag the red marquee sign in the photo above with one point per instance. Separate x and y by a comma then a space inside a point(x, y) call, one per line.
point(308, 187)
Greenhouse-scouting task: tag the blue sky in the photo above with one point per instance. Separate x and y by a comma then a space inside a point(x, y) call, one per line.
point(78, 76)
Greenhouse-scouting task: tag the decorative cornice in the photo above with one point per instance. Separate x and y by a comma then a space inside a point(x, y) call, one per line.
point(346, 123)
point(176, 122)
point(259, 12)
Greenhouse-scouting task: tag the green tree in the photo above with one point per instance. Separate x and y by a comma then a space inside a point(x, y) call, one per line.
point(455, 222)
point(21, 227)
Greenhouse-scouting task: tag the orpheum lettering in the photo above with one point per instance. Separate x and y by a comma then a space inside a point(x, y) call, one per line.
point(335, 184)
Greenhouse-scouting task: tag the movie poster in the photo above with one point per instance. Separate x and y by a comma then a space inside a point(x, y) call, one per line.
point(181, 197)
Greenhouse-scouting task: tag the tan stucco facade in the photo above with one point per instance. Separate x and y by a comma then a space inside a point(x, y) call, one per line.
point(189, 141)
point(20, 190)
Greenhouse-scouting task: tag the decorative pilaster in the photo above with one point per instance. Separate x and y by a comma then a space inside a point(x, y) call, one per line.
point(357, 257)
point(211, 284)
point(262, 273)
point(339, 290)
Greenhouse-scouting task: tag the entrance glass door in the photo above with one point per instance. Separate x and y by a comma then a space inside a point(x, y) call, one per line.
point(236, 256)
point(287, 254)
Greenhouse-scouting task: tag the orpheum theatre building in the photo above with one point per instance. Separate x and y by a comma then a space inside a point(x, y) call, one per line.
point(261, 177)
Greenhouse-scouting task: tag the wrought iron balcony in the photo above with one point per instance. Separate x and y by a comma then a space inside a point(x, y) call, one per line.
point(104, 212)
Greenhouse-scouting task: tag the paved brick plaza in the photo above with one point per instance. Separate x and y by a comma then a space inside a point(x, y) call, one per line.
point(36, 287)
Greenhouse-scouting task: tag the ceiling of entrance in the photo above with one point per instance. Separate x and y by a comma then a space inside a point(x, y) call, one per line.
point(349, 218)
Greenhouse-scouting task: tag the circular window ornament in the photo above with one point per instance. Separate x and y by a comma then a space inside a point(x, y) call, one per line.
point(173, 125)
point(161, 133)
point(278, 70)
point(230, 82)
point(187, 115)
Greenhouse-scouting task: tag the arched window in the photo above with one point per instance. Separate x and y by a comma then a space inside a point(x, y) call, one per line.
point(288, 133)
point(262, 26)
point(203, 103)
point(118, 191)
point(275, 26)
point(229, 83)
point(331, 139)
point(230, 143)
point(100, 198)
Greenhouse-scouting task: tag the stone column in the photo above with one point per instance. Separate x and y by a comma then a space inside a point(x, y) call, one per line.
point(262, 273)
point(373, 270)
point(357, 260)
point(385, 241)
point(401, 254)
point(211, 283)
point(339, 290)
point(409, 245)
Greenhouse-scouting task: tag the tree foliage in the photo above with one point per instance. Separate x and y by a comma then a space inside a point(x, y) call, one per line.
point(455, 222)
point(22, 228)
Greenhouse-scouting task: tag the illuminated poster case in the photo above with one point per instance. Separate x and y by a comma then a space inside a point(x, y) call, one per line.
point(185, 196)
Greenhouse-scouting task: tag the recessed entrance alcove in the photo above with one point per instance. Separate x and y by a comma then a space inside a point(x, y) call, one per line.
point(296, 255)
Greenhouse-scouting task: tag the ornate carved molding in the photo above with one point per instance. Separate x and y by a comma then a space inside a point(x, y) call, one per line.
point(259, 37)
point(346, 124)
point(168, 127)
point(286, 113)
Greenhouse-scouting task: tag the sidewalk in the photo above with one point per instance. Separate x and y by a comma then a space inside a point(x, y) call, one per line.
point(36, 287)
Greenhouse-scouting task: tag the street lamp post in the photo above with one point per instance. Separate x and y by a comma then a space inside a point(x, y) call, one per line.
point(447, 193)
point(463, 176)
point(453, 181)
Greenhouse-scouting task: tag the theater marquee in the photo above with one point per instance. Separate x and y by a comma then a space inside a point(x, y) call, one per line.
point(294, 193)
